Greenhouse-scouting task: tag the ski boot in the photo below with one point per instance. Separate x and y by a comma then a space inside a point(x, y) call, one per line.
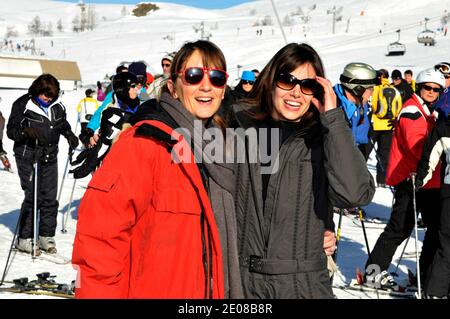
point(382, 281)
point(26, 245)
point(47, 244)
point(5, 161)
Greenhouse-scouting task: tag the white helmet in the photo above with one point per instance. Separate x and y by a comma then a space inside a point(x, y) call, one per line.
point(431, 75)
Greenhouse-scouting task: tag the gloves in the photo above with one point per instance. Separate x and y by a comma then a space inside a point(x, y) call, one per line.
point(85, 135)
point(87, 162)
point(31, 132)
point(72, 140)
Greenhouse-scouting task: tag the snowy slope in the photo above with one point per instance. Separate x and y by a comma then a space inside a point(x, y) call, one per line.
point(119, 38)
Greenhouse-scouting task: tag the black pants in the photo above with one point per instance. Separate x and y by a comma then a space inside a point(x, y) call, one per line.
point(384, 141)
point(401, 224)
point(438, 277)
point(46, 197)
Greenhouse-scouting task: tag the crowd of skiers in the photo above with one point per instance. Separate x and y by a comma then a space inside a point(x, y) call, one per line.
point(164, 217)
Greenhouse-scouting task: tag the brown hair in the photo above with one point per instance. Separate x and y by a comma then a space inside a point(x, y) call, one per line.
point(45, 84)
point(287, 59)
point(212, 57)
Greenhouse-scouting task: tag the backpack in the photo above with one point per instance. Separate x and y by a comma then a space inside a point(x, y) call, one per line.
point(388, 102)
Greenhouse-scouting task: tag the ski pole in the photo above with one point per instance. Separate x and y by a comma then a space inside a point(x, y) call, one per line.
point(35, 190)
point(11, 248)
point(395, 273)
point(365, 235)
point(66, 213)
point(338, 237)
point(67, 164)
point(413, 180)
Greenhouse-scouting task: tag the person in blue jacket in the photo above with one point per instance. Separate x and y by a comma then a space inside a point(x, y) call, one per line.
point(353, 93)
point(442, 105)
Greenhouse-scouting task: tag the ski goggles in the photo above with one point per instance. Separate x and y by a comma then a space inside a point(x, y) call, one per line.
point(429, 88)
point(444, 68)
point(195, 75)
point(287, 82)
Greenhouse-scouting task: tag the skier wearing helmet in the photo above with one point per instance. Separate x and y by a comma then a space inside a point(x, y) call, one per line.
point(415, 122)
point(357, 83)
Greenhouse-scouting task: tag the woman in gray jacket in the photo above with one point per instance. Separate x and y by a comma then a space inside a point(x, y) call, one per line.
point(284, 199)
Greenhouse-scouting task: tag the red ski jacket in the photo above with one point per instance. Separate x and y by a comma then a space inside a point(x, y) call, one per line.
point(415, 123)
point(145, 224)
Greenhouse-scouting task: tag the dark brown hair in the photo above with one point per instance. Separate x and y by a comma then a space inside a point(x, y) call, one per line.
point(45, 84)
point(212, 56)
point(287, 59)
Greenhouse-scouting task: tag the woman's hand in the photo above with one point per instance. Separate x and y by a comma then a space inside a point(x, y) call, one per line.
point(329, 242)
point(329, 97)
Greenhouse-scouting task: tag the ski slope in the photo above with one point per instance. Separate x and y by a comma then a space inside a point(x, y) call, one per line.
point(126, 38)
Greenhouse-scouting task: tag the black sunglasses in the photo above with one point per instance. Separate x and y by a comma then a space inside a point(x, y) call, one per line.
point(165, 65)
point(247, 82)
point(429, 88)
point(287, 82)
point(195, 75)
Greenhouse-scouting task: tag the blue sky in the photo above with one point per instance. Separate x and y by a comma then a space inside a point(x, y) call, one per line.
point(207, 4)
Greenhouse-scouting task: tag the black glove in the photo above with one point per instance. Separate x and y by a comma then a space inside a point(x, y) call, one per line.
point(85, 135)
point(31, 132)
point(87, 162)
point(72, 140)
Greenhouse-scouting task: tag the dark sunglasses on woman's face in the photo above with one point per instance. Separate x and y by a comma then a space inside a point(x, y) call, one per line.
point(194, 75)
point(244, 82)
point(287, 82)
point(164, 65)
point(429, 88)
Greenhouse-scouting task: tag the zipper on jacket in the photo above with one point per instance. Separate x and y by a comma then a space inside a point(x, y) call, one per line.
point(204, 257)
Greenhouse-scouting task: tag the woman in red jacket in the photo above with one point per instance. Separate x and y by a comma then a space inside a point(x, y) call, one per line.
point(146, 227)
point(415, 122)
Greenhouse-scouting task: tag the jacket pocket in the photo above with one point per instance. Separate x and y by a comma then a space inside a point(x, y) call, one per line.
point(177, 200)
point(104, 180)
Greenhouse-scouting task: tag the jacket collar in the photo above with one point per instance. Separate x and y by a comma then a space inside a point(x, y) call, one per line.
point(34, 107)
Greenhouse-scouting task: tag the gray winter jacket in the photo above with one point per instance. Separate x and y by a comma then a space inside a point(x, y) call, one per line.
point(281, 240)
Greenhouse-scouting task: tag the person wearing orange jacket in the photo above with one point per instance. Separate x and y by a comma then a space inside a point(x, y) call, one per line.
point(153, 222)
point(415, 122)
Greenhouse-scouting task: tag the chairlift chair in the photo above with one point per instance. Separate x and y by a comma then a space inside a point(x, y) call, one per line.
point(396, 48)
point(427, 37)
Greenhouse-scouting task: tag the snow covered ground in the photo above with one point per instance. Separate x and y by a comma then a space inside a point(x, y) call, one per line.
point(128, 38)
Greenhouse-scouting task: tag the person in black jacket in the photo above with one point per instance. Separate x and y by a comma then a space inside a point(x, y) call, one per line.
point(35, 124)
point(401, 85)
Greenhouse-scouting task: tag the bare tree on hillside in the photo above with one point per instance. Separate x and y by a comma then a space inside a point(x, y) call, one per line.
point(11, 32)
point(59, 25)
point(35, 26)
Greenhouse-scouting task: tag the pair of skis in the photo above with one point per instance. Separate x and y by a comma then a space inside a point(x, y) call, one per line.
point(43, 255)
point(45, 284)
